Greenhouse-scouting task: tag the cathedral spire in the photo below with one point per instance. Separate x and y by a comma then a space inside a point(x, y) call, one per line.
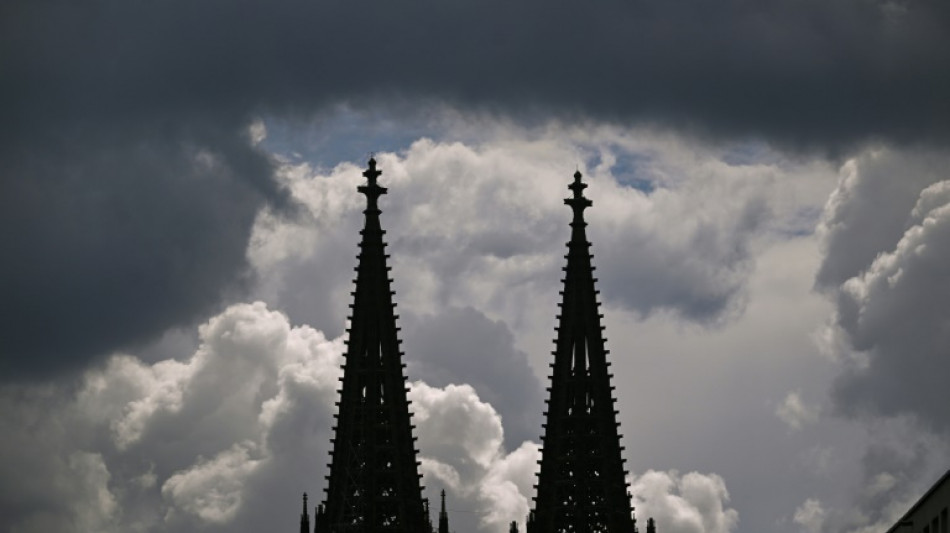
point(581, 486)
point(373, 486)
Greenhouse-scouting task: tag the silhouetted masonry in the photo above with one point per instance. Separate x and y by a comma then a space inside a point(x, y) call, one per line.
point(374, 482)
point(443, 517)
point(581, 486)
point(929, 514)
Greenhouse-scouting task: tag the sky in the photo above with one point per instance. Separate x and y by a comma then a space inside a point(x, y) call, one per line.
point(770, 227)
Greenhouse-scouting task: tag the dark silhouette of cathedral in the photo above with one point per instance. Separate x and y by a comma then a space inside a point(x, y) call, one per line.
point(374, 481)
point(581, 485)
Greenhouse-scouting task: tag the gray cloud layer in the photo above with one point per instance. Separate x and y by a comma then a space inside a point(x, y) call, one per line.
point(886, 228)
point(463, 346)
point(809, 72)
point(130, 185)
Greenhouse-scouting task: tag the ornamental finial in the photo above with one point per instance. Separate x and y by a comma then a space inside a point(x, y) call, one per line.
point(578, 202)
point(372, 190)
point(371, 173)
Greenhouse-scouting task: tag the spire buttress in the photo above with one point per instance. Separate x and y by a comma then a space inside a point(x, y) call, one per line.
point(581, 484)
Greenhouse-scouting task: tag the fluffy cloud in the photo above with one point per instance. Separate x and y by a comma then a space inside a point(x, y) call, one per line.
point(192, 439)
point(482, 225)
point(868, 212)
point(688, 503)
point(460, 438)
point(227, 438)
point(700, 248)
point(212, 489)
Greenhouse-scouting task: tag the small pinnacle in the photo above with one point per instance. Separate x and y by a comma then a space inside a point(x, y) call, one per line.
point(372, 173)
point(578, 186)
point(578, 202)
point(372, 190)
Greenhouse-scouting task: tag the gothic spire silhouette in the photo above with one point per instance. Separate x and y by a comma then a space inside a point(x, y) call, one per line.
point(374, 481)
point(581, 486)
point(304, 517)
point(443, 516)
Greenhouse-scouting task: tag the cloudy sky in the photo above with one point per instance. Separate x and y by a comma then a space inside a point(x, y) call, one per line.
point(771, 229)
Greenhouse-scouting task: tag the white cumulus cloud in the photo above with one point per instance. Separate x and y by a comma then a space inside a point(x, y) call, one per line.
point(460, 438)
point(688, 503)
point(213, 489)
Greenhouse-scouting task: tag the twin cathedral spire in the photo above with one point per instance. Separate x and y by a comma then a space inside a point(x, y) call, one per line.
point(374, 485)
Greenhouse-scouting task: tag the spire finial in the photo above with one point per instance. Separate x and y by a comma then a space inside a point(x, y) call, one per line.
point(578, 202)
point(578, 186)
point(371, 173)
point(305, 502)
point(443, 500)
point(372, 190)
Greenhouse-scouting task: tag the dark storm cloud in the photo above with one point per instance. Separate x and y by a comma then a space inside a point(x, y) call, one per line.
point(808, 71)
point(111, 236)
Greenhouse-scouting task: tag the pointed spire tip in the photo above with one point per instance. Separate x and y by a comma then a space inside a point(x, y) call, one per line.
point(372, 190)
point(578, 201)
point(372, 172)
